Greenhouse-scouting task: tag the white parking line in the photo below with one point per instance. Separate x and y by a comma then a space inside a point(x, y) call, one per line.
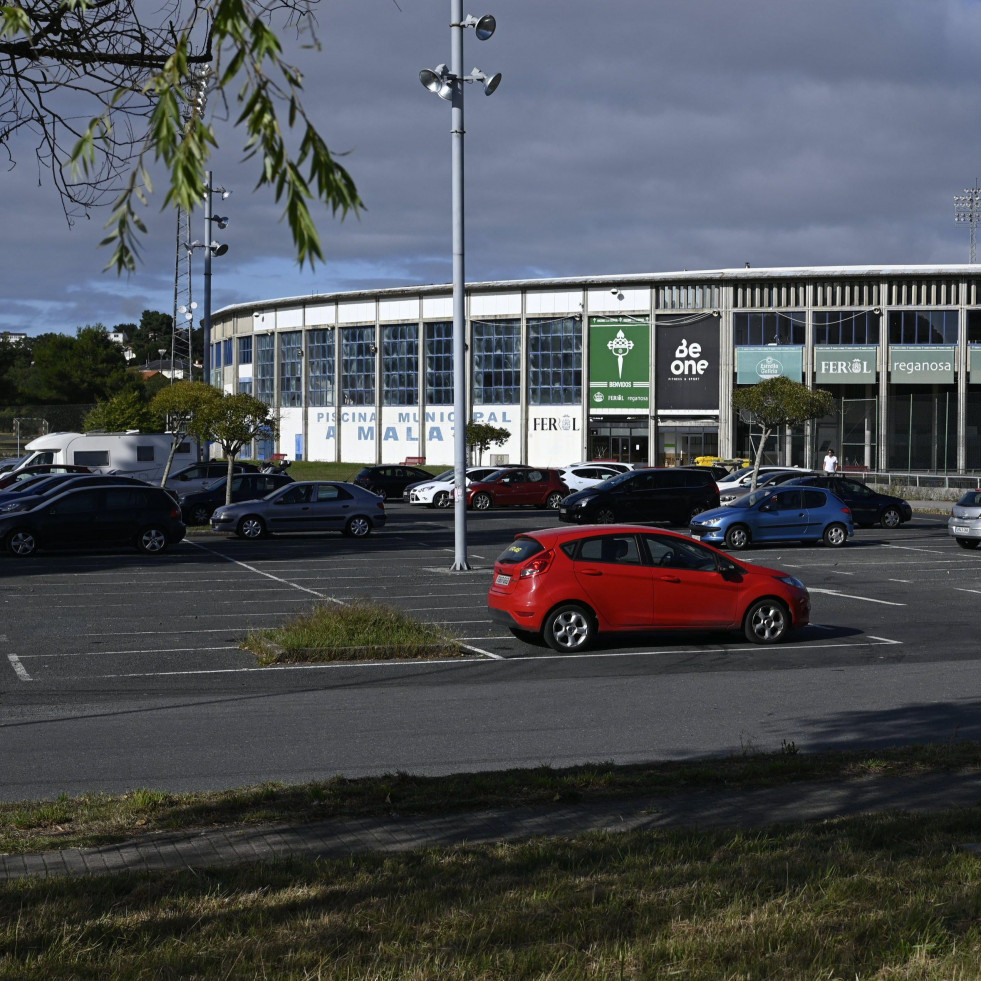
point(138, 650)
point(19, 669)
point(864, 599)
point(753, 648)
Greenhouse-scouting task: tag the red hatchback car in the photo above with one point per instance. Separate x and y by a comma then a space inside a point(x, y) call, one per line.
point(512, 486)
point(569, 584)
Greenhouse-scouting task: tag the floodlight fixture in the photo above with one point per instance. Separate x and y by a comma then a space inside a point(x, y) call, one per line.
point(439, 81)
point(483, 27)
point(490, 82)
point(222, 223)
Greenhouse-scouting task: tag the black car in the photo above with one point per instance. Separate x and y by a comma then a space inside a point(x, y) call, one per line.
point(868, 506)
point(672, 494)
point(29, 493)
point(391, 480)
point(94, 516)
point(198, 507)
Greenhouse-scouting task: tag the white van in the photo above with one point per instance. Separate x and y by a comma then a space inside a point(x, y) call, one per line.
point(136, 454)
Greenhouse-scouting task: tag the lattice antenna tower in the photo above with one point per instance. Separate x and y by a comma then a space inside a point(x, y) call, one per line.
point(967, 207)
point(182, 346)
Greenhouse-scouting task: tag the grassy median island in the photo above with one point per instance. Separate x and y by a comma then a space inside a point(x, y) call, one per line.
point(359, 631)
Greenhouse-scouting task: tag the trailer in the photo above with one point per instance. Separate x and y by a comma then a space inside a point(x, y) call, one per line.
point(135, 454)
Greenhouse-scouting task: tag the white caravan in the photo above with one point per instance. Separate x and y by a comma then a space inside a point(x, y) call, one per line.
point(136, 454)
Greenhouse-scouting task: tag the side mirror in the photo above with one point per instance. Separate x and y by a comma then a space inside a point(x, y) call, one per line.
point(767, 507)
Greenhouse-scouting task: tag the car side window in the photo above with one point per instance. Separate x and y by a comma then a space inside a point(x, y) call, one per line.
point(610, 549)
point(679, 553)
point(119, 498)
point(80, 503)
point(787, 500)
point(296, 495)
point(331, 492)
point(535, 476)
point(814, 498)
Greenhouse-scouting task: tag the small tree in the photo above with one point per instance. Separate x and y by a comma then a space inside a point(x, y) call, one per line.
point(233, 421)
point(183, 405)
point(128, 410)
point(779, 402)
point(481, 436)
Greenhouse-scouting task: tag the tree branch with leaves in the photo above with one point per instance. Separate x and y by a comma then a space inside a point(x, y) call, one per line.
point(777, 403)
point(105, 87)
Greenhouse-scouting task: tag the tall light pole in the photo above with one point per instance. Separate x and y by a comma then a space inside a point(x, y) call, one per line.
point(211, 248)
point(448, 85)
point(967, 207)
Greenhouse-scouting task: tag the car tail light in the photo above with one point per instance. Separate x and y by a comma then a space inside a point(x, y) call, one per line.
point(380, 505)
point(847, 511)
point(175, 513)
point(537, 565)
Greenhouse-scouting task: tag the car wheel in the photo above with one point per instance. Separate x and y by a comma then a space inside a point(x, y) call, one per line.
point(358, 526)
point(553, 501)
point(968, 542)
point(767, 622)
point(442, 500)
point(22, 542)
point(251, 526)
point(605, 516)
point(152, 541)
point(835, 535)
point(890, 518)
point(200, 515)
point(737, 538)
point(380, 491)
point(481, 502)
point(569, 628)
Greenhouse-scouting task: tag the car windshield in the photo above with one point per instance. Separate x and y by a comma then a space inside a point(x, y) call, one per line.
point(445, 475)
point(620, 478)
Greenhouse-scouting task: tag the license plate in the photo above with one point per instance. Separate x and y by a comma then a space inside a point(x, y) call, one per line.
point(502, 580)
point(961, 530)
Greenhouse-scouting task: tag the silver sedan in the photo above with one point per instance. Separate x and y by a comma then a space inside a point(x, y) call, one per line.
point(308, 505)
point(965, 520)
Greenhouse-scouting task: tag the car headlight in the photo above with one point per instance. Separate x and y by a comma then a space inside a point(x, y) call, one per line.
point(792, 581)
point(12, 506)
point(584, 502)
point(710, 522)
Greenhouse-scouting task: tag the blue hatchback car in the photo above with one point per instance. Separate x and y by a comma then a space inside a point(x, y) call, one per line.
point(777, 514)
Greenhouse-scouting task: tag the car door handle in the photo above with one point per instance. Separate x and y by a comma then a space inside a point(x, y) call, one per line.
point(591, 572)
point(669, 579)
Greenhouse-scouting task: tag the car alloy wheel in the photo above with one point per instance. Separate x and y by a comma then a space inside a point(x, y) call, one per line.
point(152, 541)
point(835, 535)
point(200, 515)
point(442, 500)
point(569, 627)
point(553, 500)
point(251, 526)
point(380, 491)
point(605, 516)
point(891, 518)
point(737, 538)
point(357, 526)
point(481, 502)
point(22, 542)
point(767, 622)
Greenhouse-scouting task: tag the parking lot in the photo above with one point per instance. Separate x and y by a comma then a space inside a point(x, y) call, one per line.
point(122, 671)
point(114, 615)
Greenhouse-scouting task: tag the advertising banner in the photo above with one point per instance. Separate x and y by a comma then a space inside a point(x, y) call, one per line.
point(756, 364)
point(687, 363)
point(619, 364)
point(844, 365)
point(926, 364)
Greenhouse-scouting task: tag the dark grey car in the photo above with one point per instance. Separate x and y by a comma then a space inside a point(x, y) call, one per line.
point(308, 505)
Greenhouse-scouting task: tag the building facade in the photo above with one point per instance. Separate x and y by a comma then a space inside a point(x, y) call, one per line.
point(639, 368)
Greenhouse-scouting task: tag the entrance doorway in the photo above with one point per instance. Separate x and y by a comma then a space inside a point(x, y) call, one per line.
point(678, 445)
point(622, 439)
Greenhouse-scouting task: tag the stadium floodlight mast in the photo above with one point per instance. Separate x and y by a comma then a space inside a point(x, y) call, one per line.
point(448, 84)
point(967, 207)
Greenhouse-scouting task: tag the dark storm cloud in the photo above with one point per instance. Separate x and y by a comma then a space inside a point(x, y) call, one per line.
point(626, 137)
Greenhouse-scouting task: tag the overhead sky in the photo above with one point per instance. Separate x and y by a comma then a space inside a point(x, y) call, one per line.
point(627, 136)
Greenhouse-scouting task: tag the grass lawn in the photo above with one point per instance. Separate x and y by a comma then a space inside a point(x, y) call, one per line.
point(881, 897)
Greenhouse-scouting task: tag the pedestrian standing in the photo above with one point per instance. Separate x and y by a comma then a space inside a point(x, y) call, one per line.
point(831, 462)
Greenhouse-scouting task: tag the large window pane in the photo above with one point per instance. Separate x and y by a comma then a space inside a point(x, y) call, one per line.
point(291, 369)
point(358, 365)
point(842, 327)
point(320, 367)
point(555, 361)
point(496, 362)
point(923, 327)
point(769, 328)
point(265, 381)
point(439, 363)
point(400, 360)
